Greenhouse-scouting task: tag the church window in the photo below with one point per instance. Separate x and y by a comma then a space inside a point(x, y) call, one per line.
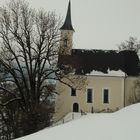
point(89, 95)
point(65, 42)
point(106, 96)
point(73, 92)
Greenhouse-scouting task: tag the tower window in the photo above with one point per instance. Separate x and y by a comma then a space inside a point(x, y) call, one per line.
point(73, 92)
point(89, 95)
point(106, 96)
point(65, 42)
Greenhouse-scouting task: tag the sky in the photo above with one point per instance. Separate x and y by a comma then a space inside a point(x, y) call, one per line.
point(98, 24)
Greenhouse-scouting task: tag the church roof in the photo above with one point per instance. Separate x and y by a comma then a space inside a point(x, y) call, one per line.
point(68, 24)
point(86, 61)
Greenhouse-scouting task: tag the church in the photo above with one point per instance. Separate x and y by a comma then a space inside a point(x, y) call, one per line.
point(96, 80)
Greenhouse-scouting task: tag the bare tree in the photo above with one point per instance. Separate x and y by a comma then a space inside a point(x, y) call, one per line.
point(29, 42)
point(29, 46)
point(131, 44)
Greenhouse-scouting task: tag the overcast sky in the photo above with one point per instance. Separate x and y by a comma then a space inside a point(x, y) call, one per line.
point(98, 24)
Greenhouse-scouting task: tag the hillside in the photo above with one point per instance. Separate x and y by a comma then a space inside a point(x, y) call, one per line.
point(121, 125)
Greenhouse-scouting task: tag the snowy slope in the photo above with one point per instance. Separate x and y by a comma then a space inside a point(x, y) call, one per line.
point(122, 125)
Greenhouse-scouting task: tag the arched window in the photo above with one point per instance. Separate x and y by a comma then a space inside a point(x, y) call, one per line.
point(65, 42)
point(75, 107)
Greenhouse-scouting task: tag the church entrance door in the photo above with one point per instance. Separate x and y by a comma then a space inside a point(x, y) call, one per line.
point(75, 107)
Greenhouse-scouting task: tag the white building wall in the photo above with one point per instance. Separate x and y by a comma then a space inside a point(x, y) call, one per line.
point(65, 101)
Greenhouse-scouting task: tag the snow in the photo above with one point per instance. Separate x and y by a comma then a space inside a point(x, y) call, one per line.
point(69, 117)
point(117, 73)
point(121, 125)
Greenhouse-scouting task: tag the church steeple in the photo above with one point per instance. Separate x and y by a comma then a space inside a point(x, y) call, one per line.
point(68, 24)
point(66, 40)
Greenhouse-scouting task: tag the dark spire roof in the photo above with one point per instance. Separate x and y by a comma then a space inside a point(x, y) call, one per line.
point(68, 24)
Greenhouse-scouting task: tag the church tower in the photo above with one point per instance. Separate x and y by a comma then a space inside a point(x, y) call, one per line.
point(67, 31)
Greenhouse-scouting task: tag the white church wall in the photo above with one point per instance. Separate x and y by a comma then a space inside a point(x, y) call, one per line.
point(115, 85)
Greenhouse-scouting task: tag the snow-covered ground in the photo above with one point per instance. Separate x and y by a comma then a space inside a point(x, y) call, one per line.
point(69, 117)
point(121, 125)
